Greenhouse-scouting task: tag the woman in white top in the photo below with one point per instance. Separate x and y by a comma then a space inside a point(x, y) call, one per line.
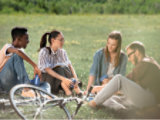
point(55, 65)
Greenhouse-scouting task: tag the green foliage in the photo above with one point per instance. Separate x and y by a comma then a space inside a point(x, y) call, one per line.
point(81, 6)
point(84, 34)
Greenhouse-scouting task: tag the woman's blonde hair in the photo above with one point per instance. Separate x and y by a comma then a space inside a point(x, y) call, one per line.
point(116, 35)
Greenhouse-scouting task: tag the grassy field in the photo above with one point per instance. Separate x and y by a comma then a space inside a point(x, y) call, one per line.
point(83, 36)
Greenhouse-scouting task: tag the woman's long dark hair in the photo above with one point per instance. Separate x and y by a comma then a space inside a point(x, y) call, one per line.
point(49, 35)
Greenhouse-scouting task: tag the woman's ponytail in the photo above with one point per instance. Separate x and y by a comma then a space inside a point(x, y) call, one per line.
point(52, 34)
point(43, 40)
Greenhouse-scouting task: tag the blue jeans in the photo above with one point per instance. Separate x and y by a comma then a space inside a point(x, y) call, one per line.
point(14, 73)
point(45, 86)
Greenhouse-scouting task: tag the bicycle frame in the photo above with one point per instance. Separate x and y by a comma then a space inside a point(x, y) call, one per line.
point(54, 100)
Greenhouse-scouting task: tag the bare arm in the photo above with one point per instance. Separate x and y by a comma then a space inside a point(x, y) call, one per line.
point(26, 58)
point(90, 82)
point(73, 71)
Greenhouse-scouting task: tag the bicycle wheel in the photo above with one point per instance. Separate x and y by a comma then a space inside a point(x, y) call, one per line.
point(31, 102)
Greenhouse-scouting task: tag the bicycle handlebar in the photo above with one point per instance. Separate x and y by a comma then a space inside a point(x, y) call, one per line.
point(79, 103)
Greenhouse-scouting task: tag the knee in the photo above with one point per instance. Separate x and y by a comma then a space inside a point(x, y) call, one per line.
point(16, 57)
point(58, 68)
point(46, 86)
point(118, 77)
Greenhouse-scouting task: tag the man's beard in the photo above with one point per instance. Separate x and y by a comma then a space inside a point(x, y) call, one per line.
point(135, 60)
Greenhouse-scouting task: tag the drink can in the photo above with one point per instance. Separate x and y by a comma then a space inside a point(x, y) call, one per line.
point(36, 81)
point(74, 82)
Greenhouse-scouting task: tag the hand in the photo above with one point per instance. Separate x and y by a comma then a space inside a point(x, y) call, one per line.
point(68, 82)
point(105, 81)
point(92, 104)
point(37, 71)
point(76, 84)
point(85, 92)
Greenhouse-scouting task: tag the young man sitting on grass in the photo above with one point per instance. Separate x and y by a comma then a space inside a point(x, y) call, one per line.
point(12, 69)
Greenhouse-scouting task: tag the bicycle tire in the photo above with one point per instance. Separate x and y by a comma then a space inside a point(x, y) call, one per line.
point(19, 103)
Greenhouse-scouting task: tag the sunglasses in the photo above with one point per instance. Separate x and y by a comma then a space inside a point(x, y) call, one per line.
point(131, 53)
point(61, 40)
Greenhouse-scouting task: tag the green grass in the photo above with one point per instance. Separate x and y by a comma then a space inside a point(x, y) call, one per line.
point(84, 35)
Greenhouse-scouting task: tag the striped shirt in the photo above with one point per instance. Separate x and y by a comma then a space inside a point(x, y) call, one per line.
point(58, 58)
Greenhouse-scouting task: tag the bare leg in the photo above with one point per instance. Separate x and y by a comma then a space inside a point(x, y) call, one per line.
point(77, 89)
point(66, 89)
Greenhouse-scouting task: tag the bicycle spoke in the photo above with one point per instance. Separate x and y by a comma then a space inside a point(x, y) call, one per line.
point(36, 105)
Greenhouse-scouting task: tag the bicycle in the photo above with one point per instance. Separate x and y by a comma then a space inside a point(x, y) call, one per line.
point(41, 104)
